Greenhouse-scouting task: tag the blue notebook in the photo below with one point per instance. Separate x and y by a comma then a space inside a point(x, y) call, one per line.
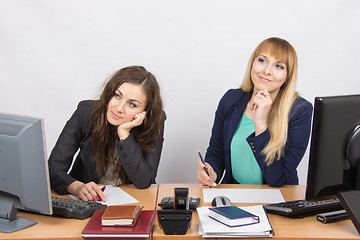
point(232, 216)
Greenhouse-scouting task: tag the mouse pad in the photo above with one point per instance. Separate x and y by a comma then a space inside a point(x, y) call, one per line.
point(350, 202)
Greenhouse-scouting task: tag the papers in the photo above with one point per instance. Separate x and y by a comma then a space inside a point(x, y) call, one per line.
point(244, 195)
point(209, 228)
point(114, 196)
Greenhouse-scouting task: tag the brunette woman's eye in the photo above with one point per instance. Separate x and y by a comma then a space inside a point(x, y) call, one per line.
point(132, 104)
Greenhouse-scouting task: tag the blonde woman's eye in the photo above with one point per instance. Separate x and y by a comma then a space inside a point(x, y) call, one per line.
point(262, 60)
point(280, 66)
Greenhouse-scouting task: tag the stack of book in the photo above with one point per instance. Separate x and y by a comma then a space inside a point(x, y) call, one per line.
point(234, 222)
point(120, 221)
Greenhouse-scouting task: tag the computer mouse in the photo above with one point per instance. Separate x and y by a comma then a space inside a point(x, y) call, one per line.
point(220, 201)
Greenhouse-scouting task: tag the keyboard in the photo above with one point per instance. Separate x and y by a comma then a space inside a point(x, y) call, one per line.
point(303, 208)
point(168, 203)
point(71, 208)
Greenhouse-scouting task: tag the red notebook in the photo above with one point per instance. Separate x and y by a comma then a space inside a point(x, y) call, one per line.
point(140, 230)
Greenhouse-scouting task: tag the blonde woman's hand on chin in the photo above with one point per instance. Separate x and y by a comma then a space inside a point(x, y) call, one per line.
point(124, 129)
point(260, 104)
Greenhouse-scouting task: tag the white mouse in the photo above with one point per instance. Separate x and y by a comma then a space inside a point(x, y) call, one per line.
point(220, 201)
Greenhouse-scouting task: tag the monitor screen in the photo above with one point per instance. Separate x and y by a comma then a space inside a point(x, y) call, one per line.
point(336, 121)
point(24, 175)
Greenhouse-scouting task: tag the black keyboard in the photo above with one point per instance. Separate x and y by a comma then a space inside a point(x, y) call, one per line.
point(71, 208)
point(303, 208)
point(168, 202)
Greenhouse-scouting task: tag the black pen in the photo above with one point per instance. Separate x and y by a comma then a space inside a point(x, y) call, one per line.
point(206, 170)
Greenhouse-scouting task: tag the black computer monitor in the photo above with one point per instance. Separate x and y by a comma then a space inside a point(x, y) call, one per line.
point(335, 145)
point(24, 175)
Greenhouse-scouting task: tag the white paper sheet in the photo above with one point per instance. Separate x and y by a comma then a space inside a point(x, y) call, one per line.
point(244, 195)
point(114, 196)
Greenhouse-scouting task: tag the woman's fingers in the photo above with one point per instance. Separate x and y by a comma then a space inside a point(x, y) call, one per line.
point(202, 174)
point(88, 191)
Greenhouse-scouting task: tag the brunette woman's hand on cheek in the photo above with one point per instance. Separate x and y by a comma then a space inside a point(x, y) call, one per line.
point(260, 105)
point(124, 129)
point(86, 191)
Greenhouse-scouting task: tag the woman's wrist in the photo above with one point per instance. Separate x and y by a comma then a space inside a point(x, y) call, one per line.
point(74, 187)
point(260, 128)
point(123, 134)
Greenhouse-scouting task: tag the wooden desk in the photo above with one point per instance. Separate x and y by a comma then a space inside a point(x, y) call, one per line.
point(49, 227)
point(284, 228)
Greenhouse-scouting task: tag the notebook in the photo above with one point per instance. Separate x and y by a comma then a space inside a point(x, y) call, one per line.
point(142, 228)
point(232, 216)
point(121, 215)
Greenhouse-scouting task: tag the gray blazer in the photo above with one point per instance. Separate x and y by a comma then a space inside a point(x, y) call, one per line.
point(140, 168)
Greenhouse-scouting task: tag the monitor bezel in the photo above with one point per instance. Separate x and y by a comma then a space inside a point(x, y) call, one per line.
point(328, 146)
point(25, 185)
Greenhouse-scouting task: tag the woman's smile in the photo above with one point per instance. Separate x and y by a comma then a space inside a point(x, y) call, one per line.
point(265, 79)
point(115, 115)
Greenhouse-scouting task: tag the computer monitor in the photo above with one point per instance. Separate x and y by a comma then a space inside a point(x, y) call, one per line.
point(24, 175)
point(335, 146)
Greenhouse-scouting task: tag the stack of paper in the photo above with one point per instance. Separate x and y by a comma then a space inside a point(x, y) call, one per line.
point(210, 228)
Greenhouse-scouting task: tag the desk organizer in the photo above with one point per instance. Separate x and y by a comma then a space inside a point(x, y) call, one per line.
point(174, 222)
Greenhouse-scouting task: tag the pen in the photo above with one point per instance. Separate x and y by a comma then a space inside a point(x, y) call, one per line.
point(206, 170)
point(97, 197)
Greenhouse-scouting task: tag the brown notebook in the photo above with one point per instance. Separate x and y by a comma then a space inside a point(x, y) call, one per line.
point(142, 229)
point(121, 215)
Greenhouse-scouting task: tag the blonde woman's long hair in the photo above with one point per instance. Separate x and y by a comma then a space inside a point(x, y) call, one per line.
point(278, 117)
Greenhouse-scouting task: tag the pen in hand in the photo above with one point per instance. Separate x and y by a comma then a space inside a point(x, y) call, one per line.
point(97, 197)
point(206, 170)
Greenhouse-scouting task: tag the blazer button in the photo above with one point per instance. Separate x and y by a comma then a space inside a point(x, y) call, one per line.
point(123, 156)
point(127, 165)
point(120, 147)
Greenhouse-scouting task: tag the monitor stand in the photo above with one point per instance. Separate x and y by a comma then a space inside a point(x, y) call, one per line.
point(350, 202)
point(9, 221)
point(7, 226)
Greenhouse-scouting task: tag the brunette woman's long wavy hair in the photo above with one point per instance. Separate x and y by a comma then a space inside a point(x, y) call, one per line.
point(103, 134)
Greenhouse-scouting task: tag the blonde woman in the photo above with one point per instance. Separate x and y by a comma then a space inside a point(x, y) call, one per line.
point(261, 130)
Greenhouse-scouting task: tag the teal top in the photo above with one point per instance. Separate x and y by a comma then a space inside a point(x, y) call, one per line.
point(244, 166)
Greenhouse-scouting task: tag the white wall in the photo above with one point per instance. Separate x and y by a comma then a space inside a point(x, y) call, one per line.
point(55, 53)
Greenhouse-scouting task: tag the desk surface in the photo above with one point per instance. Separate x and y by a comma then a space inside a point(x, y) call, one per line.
point(49, 227)
point(284, 228)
